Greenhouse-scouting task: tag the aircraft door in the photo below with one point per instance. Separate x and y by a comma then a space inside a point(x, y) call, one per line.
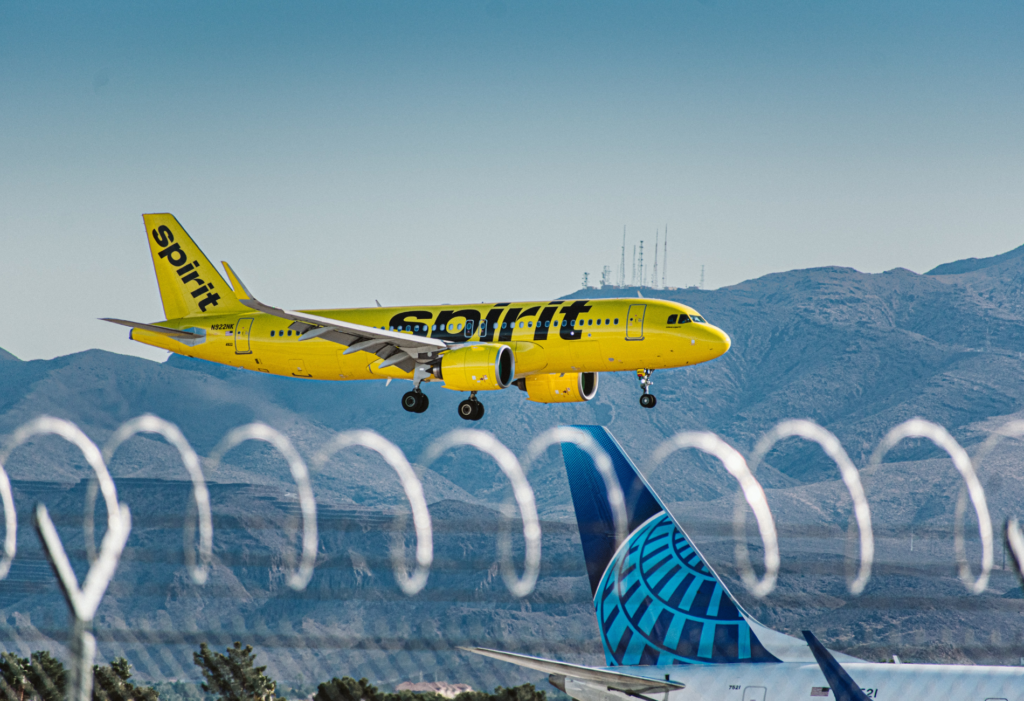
point(754, 693)
point(242, 328)
point(635, 324)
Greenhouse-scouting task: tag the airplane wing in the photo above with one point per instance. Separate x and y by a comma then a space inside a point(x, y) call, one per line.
point(629, 684)
point(394, 348)
point(839, 680)
point(175, 333)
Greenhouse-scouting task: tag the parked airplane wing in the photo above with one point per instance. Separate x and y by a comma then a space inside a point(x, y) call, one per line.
point(617, 681)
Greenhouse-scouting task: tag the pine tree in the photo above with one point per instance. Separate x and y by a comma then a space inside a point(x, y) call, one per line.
point(14, 684)
point(347, 689)
point(234, 676)
point(111, 684)
point(41, 677)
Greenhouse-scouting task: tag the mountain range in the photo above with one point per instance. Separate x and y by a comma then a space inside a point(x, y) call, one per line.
point(858, 353)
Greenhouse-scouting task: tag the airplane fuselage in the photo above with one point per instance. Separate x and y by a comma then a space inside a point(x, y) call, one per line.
point(798, 681)
point(603, 335)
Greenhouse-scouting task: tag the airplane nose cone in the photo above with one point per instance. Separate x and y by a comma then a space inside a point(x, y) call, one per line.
point(722, 343)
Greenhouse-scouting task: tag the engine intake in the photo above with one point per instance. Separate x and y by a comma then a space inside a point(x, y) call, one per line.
point(555, 388)
point(480, 367)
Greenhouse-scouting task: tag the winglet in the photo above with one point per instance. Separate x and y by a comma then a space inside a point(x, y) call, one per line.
point(842, 684)
point(241, 291)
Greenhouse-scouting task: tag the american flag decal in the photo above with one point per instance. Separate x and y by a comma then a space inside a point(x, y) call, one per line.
point(819, 691)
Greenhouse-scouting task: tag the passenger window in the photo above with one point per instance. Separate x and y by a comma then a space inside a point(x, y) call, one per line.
point(458, 327)
point(529, 324)
point(520, 324)
point(590, 322)
point(616, 322)
point(672, 318)
point(271, 334)
point(504, 325)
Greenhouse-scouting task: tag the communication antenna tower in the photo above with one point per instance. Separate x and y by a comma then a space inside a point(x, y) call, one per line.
point(622, 261)
point(632, 281)
point(586, 279)
point(664, 259)
point(643, 275)
point(606, 276)
point(654, 277)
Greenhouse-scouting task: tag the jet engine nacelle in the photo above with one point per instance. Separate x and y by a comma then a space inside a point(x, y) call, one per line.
point(557, 387)
point(480, 367)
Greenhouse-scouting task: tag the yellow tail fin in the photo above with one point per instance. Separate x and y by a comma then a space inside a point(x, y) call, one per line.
point(189, 284)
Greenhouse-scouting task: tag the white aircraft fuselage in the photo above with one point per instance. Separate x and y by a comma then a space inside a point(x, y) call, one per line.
point(788, 681)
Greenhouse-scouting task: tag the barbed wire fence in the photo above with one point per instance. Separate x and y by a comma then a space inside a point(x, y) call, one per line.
point(83, 598)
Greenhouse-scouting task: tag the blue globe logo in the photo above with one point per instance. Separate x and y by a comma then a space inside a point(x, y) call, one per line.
point(659, 604)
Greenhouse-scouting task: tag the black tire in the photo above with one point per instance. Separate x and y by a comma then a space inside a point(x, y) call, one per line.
point(424, 403)
point(467, 410)
point(411, 401)
point(479, 413)
point(647, 401)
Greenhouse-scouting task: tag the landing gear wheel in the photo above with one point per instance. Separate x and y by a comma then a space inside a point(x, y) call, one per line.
point(471, 410)
point(647, 401)
point(415, 401)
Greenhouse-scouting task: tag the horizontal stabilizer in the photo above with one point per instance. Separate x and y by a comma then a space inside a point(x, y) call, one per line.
point(174, 333)
point(615, 680)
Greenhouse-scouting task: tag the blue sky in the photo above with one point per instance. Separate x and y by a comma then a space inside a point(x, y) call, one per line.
point(414, 152)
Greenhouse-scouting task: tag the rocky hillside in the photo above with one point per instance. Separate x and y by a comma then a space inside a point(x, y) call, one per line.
point(856, 352)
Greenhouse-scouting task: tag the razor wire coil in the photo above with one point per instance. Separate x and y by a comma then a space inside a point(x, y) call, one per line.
point(84, 599)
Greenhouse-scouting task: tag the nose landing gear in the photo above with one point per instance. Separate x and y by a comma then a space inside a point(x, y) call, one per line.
point(415, 401)
point(471, 409)
point(647, 400)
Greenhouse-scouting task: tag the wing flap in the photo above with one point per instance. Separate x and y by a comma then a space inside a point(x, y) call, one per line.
point(617, 681)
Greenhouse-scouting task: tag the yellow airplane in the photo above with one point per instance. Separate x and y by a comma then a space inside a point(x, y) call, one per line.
point(553, 350)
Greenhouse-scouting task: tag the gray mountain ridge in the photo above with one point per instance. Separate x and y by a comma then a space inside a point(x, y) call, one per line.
point(856, 352)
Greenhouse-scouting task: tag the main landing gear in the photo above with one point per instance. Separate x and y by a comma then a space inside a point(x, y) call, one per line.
point(471, 409)
point(415, 401)
point(647, 400)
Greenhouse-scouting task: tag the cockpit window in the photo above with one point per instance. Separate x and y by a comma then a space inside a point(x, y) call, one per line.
point(671, 318)
point(684, 319)
point(699, 319)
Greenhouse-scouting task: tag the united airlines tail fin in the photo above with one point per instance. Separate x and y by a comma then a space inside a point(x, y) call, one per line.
point(189, 284)
point(658, 602)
